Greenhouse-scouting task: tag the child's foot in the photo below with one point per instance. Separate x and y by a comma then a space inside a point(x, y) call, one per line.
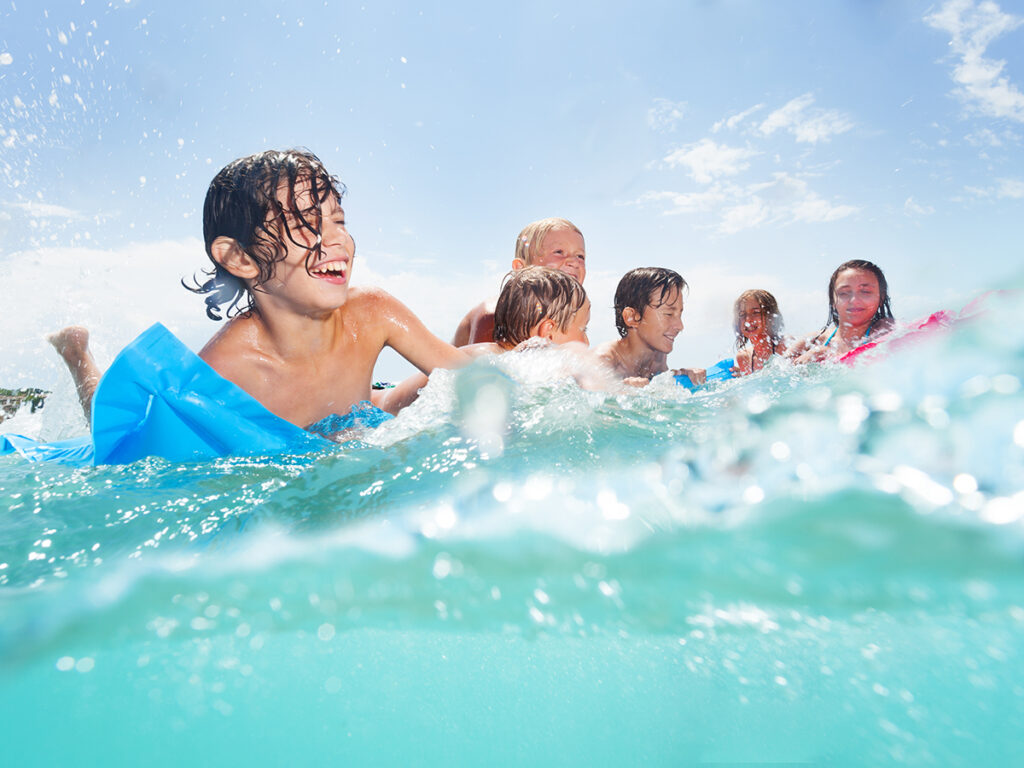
point(71, 343)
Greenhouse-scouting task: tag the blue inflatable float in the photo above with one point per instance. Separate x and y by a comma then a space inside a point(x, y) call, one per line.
point(158, 398)
point(720, 371)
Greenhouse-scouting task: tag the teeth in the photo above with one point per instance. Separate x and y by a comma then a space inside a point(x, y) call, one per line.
point(327, 269)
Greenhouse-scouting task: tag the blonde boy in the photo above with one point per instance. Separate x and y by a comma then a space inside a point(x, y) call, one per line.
point(553, 242)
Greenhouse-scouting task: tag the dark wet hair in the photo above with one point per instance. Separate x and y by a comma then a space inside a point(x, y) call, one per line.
point(638, 285)
point(533, 294)
point(883, 318)
point(769, 309)
point(242, 203)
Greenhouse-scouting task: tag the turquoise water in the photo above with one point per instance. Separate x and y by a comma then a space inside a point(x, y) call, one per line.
point(816, 566)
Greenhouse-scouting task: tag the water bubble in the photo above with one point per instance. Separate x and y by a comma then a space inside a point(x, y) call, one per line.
point(780, 451)
point(325, 632)
point(1018, 433)
point(1006, 384)
point(442, 566)
point(84, 665)
point(1004, 509)
point(964, 483)
point(502, 492)
point(753, 495)
point(757, 404)
point(6, 59)
point(611, 507)
point(66, 663)
point(332, 684)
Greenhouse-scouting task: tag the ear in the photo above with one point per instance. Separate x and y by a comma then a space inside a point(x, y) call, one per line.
point(545, 328)
point(229, 254)
point(518, 264)
point(631, 317)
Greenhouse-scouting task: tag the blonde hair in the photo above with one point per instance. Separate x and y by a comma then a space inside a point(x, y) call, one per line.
point(532, 237)
point(531, 295)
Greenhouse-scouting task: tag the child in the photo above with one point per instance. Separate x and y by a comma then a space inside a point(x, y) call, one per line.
point(539, 302)
point(858, 308)
point(758, 326)
point(648, 316)
point(556, 243)
point(536, 304)
point(299, 339)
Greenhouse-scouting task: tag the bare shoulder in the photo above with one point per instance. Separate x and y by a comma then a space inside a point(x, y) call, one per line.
point(370, 298)
point(477, 326)
point(233, 350)
point(482, 348)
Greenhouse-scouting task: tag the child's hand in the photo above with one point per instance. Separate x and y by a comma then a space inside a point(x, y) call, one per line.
point(812, 355)
point(696, 375)
point(744, 365)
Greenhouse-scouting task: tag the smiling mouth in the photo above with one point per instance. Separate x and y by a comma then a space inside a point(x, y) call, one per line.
point(331, 270)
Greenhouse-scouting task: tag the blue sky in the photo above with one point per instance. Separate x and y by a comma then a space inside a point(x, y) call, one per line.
point(745, 144)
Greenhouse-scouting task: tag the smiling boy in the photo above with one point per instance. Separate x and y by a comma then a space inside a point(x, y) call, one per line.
point(648, 316)
point(299, 338)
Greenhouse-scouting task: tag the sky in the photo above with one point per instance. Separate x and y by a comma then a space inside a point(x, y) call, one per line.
point(744, 144)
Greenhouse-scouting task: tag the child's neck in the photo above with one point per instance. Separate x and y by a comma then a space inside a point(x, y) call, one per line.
point(290, 335)
point(853, 335)
point(636, 358)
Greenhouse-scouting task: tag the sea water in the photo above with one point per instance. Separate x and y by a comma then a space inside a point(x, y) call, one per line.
point(810, 566)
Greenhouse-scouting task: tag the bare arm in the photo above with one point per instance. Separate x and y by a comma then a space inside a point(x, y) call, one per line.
point(406, 334)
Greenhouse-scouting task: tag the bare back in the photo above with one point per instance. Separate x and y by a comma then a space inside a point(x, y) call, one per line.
point(477, 327)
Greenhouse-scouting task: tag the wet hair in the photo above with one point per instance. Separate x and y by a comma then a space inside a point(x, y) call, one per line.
point(532, 237)
point(531, 295)
point(242, 203)
point(769, 310)
point(883, 318)
point(637, 286)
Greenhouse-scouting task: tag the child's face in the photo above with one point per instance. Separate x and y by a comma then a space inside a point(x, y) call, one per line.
point(751, 317)
point(576, 330)
point(662, 321)
point(856, 297)
point(325, 285)
point(563, 249)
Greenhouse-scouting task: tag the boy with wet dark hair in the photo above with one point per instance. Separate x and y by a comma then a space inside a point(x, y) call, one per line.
point(648, 316)
point(298, 338)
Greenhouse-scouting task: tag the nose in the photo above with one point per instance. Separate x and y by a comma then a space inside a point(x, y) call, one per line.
point(337, 234)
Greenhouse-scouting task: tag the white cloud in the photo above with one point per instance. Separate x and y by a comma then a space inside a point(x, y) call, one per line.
point(688, 202)
point(46, 210)
point(1013, 188)
point(743, 216)
point(785, 199)
point(665, 114)
point(806, 123)
point(912, 208)
point(706, 160)
point(981, 83)
point(983, 138)
point(734, 120)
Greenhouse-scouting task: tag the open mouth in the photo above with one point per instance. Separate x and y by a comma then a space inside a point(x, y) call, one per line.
point(334, 271)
